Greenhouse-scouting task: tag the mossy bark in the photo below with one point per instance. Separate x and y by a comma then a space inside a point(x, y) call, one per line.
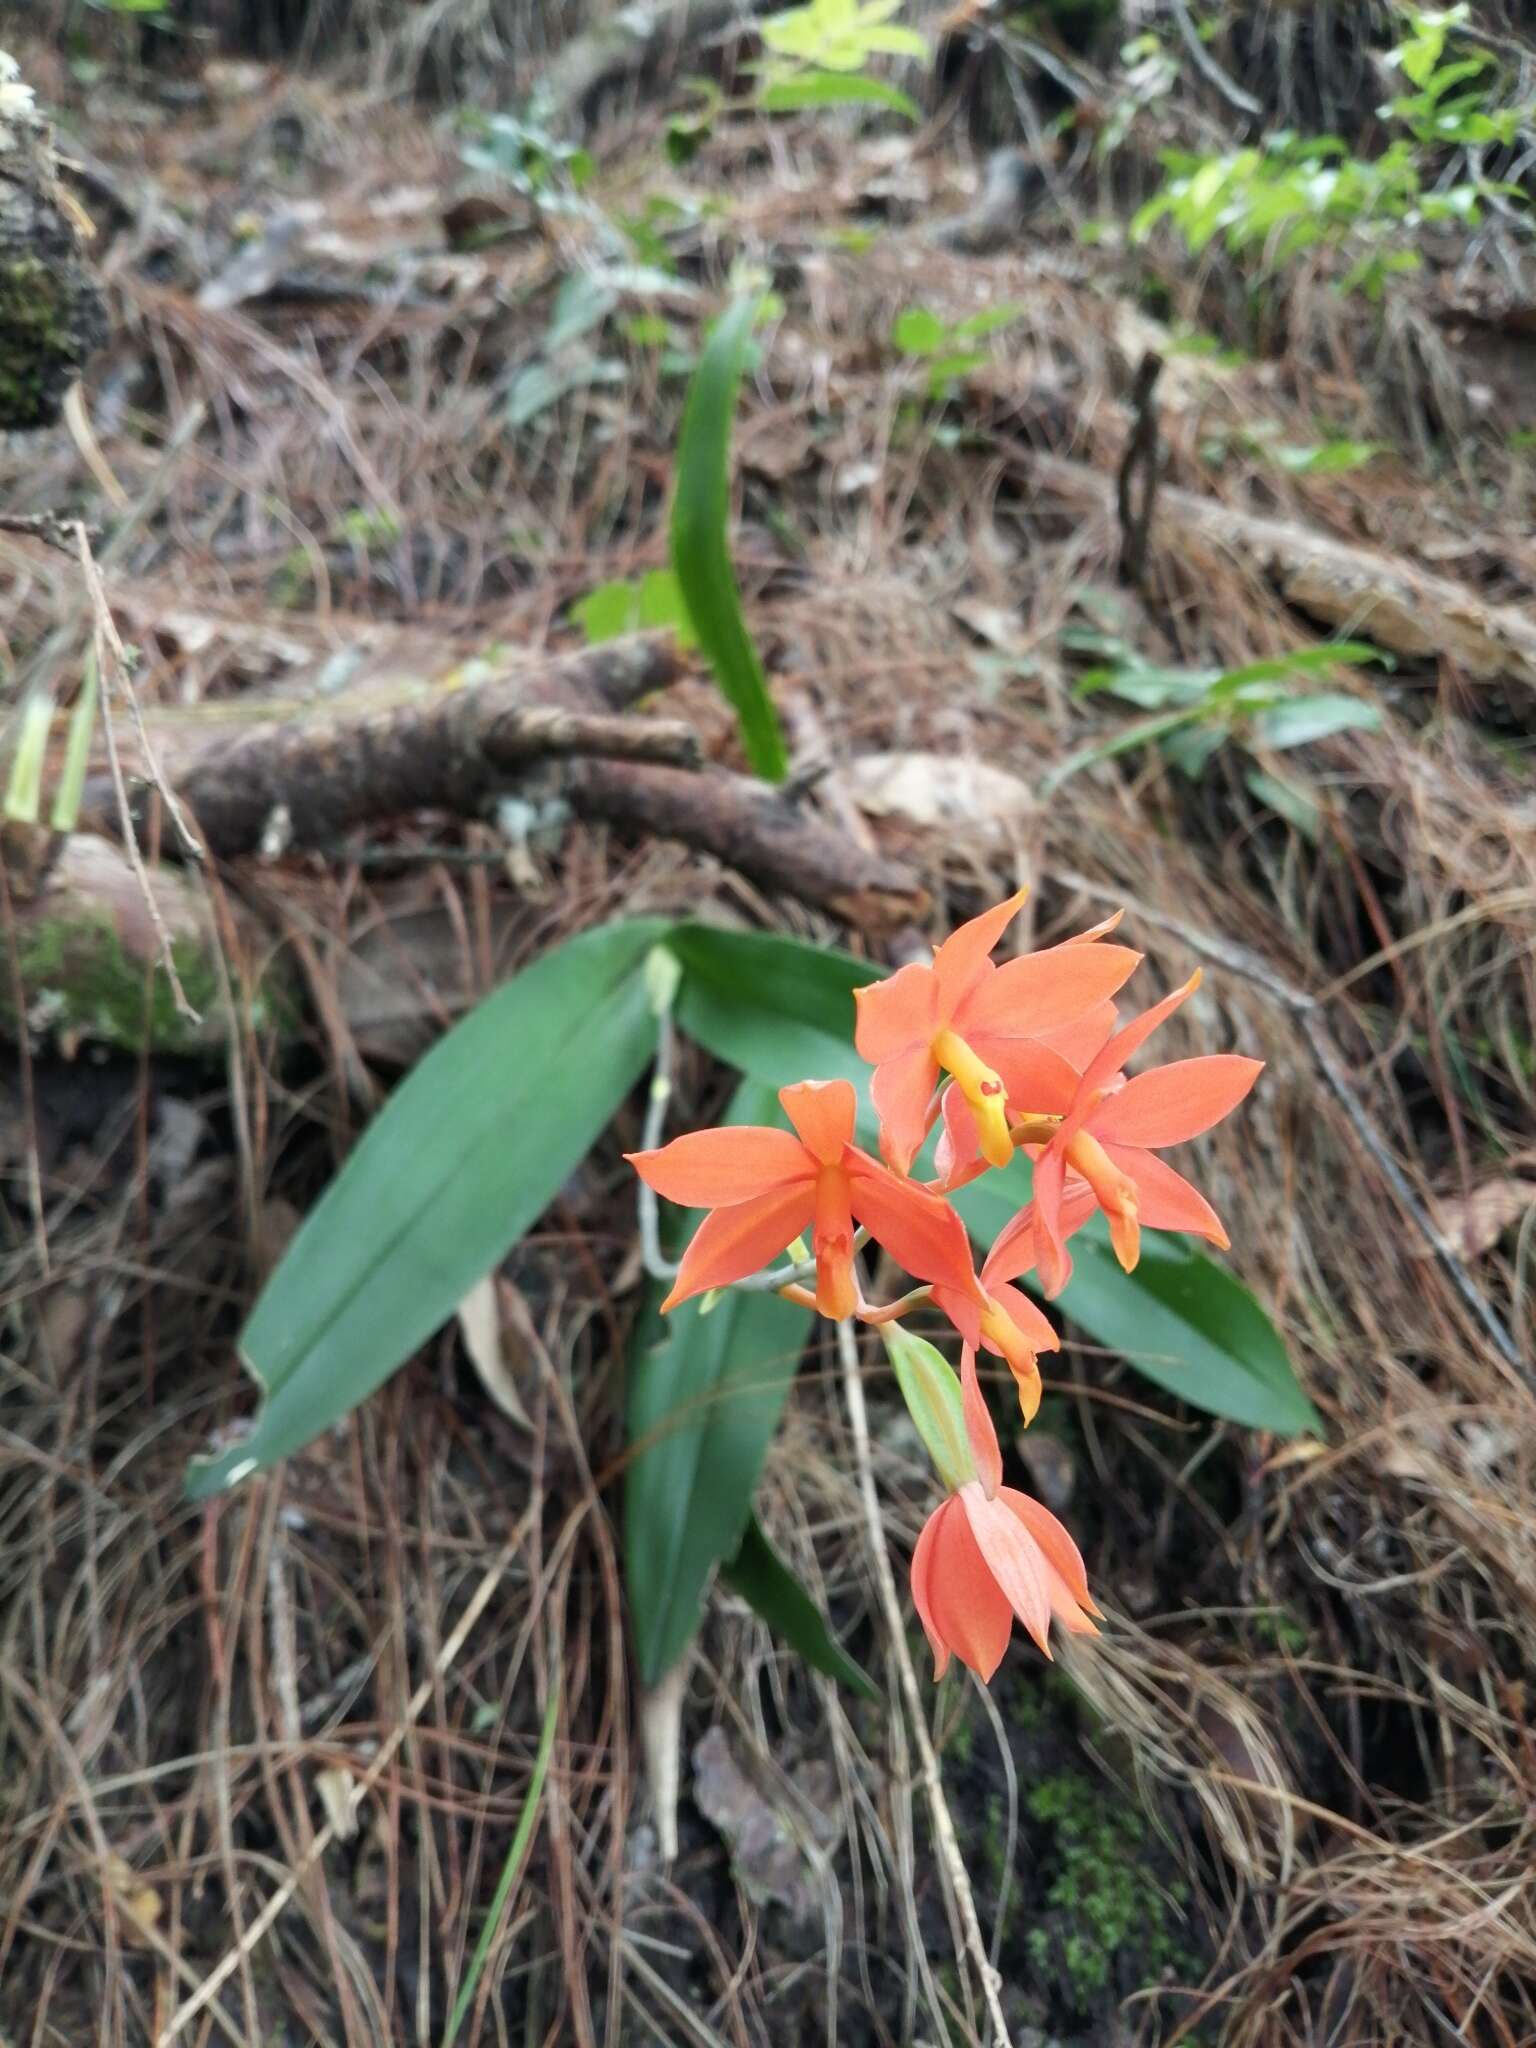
point(52, 314)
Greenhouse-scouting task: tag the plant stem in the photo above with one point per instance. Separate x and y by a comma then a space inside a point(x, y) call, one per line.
point(945, 1839)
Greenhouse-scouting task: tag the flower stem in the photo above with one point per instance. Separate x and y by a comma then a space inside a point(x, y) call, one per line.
point(945, 1839)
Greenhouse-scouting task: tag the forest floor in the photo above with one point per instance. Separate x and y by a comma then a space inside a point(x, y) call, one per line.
point(1290, 1795)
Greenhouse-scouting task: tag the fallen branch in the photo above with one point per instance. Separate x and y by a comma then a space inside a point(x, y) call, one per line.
point(295, 775)
point(1406, 609)
point(308, 784)
point(749, 825)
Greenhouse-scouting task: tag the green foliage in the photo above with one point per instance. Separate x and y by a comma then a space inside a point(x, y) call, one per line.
point(651, 603)
point(1325, 458)
point(1197, 711)
point(471, 1149)
point(701, 558)
point(532, 161)
point(1431, 112)
point(947, 349)
point(1098, 1844)
point(792, 92)
point(760, 1577)
point(706, 1387)
point(1289, 193)
point(841, 35)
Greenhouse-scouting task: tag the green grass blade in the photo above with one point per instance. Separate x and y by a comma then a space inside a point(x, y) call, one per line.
point(77, 751)
point(701, 558)
point(525, 1825)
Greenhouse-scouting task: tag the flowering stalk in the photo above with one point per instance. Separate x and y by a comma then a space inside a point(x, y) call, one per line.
point(1026, 1056)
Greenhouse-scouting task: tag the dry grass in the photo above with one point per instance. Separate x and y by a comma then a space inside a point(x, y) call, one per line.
point(1319, 1666)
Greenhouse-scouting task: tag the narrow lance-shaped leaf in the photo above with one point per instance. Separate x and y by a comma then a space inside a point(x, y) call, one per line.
point(706, 1388)
point(701, 556)
point(771, 1590)
point(464, 1156)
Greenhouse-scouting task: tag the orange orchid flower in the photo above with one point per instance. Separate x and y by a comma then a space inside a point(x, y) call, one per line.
point(964, 1015)
point(989, 1555)
point(1000, 1317)
point(767, 1186)
point(1106, 1139)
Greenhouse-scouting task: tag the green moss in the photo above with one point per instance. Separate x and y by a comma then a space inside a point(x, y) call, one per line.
point(81, 983)
point(40, 347)
point(1109, 1908)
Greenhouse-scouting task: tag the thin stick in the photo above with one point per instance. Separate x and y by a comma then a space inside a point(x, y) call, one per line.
point(944, 1835)
point(189, 2008)
point(1139, 460)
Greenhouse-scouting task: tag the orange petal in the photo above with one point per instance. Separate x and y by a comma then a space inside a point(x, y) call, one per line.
point(1001, 1332)
point(1017, 1245)
point(1043, 990)
point(970, 1610)
point(922, 1592)
point(1166, 1105)
point(963, 1306)
point(704, 1169)
point(1051, 1255)
point(837, 1292)
point(1066, 1579)
point(1113, 1056)
point(1078, 1041)
point(964, 956)
point(822, 1113)
point(1039, 1081)
point(919, 1229)
point(901, 1090)
point(1032, 1323)
point(987, 1456)
point(1164, 1199)
point(734, 1242)
point(897, 1014)
point(1095, 931)
point(959, 1146)
point(1012, 1558)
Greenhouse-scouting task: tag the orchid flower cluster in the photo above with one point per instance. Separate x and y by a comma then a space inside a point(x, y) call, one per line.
point(1029, 1055)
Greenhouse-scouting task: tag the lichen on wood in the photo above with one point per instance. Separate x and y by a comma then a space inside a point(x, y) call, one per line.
point(52, 314)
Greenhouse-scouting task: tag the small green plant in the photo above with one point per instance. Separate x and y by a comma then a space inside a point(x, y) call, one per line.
point(1195, 712)
point(818, 56)
point(947, 349)
point(649, 603)
point(1430, 112)
point(532, 161)
point(1291, 193)
point(700, 549)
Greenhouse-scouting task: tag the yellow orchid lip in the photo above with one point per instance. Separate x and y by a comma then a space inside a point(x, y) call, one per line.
point(1115, 1192)
point(983, 1090)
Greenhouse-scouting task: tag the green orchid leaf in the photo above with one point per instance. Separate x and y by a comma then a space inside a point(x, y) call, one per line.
point(707, 1385)
point(760, 1577)
point(466, 1154)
